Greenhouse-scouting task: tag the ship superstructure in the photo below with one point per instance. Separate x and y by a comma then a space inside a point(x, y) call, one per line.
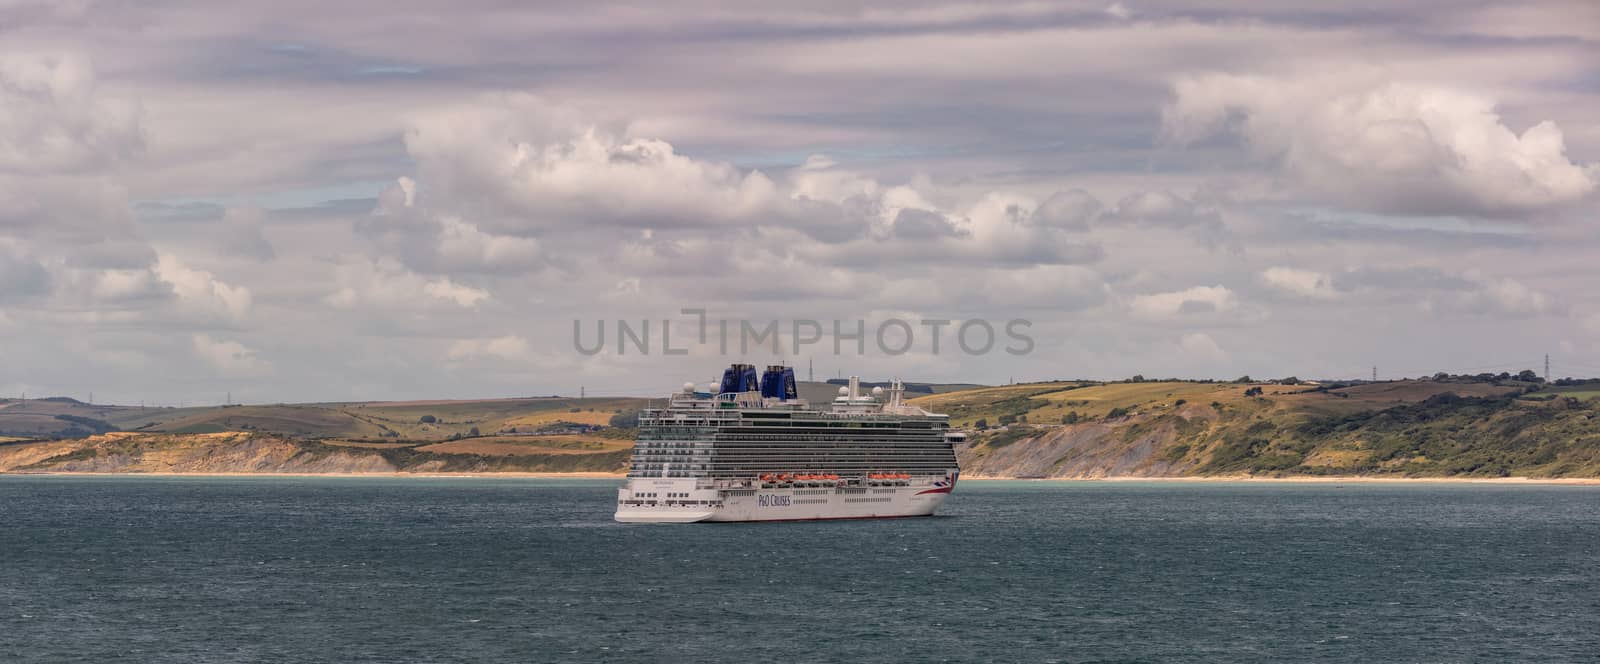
point(749, 449)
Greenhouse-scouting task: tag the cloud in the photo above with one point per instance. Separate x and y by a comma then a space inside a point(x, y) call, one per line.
point(202, 291)
point(1505, 296)
point(1304, 283)
point(123, 286)
point(766, 162)
point(402, 226)
point(1070, 210)
point(1199, 299)
point(229, 356)
point(915, 224)
point(463, 296)
point(385, 284)
point(549, 168)
point(1386, 146)
point(55, 121)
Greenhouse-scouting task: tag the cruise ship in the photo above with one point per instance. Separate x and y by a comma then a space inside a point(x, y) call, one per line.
point(751, 450)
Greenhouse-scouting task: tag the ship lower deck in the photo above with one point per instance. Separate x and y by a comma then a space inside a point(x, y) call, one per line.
point(681, 501)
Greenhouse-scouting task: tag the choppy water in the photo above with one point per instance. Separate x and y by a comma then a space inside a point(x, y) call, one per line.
point(98, 569)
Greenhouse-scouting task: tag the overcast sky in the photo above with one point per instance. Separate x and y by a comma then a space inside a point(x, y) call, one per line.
point(299, 201)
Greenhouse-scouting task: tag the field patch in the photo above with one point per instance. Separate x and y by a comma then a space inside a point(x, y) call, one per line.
point(522, 445)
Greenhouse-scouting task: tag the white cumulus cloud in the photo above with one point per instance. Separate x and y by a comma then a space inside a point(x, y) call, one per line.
point(385, 284)
point(202, 290)
point(1389, 146)
point(1199, 299)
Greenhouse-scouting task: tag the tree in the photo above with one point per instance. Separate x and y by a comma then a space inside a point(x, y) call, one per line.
point(981, 424)
point(473, 432)
point(1137, 378)
point(1292, 380)
point(1070, 418)
point(1528, 376)
point(1253, 392)
point(625, 419)
point(1116, 413)
point(1242, 379)
point(428, 419)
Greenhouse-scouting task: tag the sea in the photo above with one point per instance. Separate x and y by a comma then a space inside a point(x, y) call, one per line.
point(361, 569)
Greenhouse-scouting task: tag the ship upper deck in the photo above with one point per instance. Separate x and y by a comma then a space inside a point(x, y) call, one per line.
point(742, 434)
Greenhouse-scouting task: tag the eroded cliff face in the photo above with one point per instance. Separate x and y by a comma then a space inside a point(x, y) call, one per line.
point(1134, 447)
point(254, 452)
point(186, 453)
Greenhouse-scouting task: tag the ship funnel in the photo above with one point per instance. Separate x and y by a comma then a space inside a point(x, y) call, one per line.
point(777, 382)
point(740, 378)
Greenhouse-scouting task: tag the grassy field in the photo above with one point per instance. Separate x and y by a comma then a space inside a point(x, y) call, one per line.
point(1050, 403)
point(1580, 392)
point(513, 445)
point(363, 421)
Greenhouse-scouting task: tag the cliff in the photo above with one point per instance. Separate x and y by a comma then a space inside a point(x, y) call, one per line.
point(1404, 430)
point(246, 452)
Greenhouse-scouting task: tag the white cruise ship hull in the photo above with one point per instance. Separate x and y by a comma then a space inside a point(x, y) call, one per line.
point(645, 501)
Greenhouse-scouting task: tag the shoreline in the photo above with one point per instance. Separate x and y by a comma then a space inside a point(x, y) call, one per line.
point(1312, 479)
point(585, 475)
point(1305, 479)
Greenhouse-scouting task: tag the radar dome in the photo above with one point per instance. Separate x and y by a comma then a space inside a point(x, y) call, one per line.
point(844, 391)
point(877, 391)
point(688, 387)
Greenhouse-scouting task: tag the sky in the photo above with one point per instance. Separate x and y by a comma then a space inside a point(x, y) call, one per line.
point(307, 201)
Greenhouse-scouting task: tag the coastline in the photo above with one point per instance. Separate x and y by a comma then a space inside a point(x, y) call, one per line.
point(507, 475)
point(1313, 479)
point(1305, 479)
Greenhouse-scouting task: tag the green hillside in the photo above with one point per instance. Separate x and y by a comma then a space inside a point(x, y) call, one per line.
point(410, 420)
point(1404, 428)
